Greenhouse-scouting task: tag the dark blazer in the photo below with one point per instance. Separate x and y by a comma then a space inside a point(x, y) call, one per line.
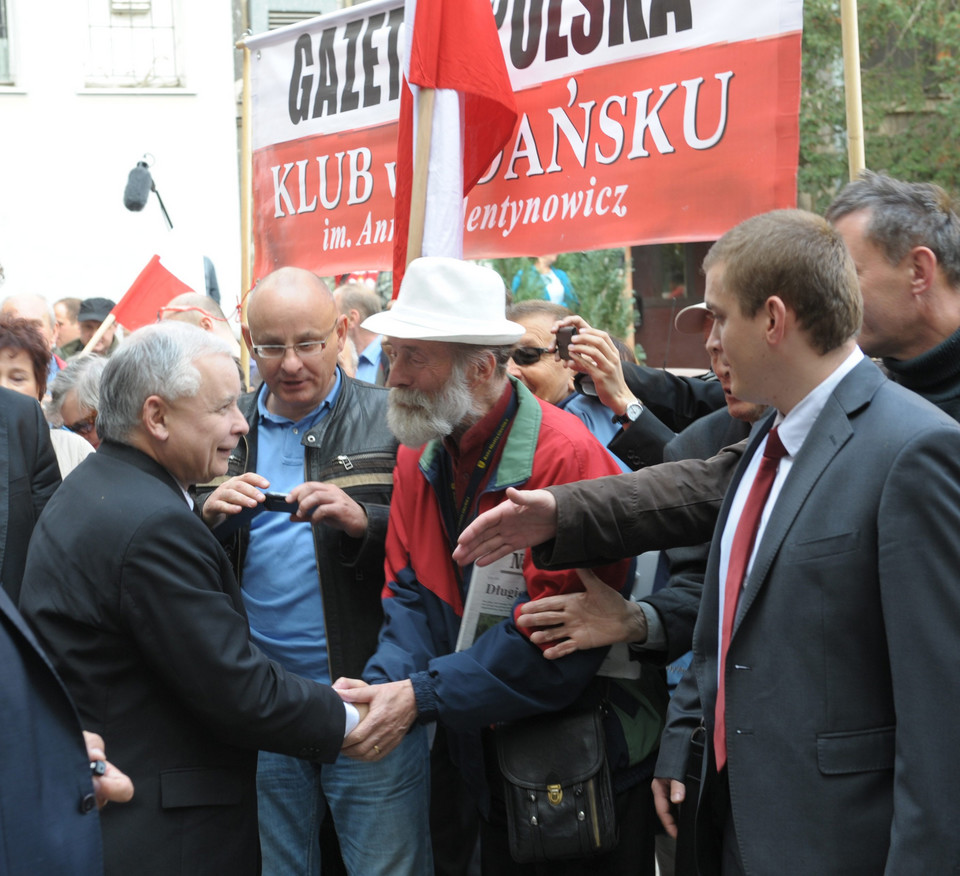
point(677, 401)
point(838, 684)
point(137, 605)
point(28, 476)
point(48, 814)
point(678, 603)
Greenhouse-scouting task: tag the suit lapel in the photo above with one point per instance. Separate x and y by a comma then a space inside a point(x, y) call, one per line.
point(831, 430)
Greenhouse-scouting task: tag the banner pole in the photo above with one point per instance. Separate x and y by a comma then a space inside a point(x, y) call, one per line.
point(421, 163)
point(246, 206)
point(100, 332)
point(850, 36)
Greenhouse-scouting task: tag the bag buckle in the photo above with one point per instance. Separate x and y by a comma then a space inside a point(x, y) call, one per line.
point(555, 794)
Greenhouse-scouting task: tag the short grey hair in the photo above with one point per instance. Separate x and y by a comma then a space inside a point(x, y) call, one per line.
point(154, 360)
point(903, 215)
point(465, 355)
point(82, 374)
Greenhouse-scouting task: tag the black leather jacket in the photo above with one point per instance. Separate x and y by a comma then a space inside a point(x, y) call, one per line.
point(353, 449)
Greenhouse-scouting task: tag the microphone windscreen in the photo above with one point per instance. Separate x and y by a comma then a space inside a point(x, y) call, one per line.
point(139, 185)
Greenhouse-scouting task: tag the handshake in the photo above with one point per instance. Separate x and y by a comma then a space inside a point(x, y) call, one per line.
point(387, 712)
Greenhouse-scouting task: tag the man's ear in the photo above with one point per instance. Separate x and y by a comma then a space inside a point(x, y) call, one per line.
point(342, 329)
point(247, 338)
point(923, 269)
point(776, 314)
point(153, 415)
point(482, 370)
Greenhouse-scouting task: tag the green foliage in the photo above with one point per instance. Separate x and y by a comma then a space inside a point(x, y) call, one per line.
point(597, 278)
point(910, 70)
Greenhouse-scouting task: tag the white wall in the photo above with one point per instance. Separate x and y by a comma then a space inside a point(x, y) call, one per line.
point(65, 153)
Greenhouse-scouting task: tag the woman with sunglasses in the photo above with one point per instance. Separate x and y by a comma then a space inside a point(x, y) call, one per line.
point(24, 360)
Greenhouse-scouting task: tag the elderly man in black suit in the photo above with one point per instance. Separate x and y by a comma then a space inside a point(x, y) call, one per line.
point(136, 603)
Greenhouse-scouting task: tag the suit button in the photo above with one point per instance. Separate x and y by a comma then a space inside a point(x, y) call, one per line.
point(88, 803)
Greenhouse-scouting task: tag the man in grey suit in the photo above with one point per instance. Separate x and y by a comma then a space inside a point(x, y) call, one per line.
point(835, 757)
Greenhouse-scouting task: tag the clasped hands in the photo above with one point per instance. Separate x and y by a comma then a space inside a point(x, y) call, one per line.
point(387, 712)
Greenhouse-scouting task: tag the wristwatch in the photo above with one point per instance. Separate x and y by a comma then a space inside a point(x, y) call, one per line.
point(634, 409)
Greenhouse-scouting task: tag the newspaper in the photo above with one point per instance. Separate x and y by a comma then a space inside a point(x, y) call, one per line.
point(494, 590)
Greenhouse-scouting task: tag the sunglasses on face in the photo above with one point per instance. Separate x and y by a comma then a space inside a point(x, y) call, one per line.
point(527, 355)
point(84, 426)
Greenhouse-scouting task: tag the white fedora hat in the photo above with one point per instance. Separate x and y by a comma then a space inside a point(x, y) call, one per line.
point(445, 299)
point(692, 320)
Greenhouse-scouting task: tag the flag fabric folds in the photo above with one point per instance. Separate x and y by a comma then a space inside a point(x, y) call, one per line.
point(153, 288)
point(453, 48)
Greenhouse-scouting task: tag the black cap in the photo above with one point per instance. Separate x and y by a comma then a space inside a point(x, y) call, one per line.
point(95, 309)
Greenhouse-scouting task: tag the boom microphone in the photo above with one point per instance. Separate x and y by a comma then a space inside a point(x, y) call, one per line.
point(139, 186)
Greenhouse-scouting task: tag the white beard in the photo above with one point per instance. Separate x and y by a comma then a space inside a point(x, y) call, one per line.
point(416, 417)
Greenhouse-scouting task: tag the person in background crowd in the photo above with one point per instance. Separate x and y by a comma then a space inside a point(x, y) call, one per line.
point(92, 313)
point(905, 242)
point(23, 368)
point(36, 310)
point(75, 397)
point(551, 283)
point(203, 312)
point(356, 303)
point(68, 328)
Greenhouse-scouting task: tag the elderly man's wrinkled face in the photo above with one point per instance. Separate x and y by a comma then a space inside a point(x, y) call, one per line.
point(429, 392)
point(204, 428)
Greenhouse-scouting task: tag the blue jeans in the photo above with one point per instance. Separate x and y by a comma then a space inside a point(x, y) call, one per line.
point(380, 809)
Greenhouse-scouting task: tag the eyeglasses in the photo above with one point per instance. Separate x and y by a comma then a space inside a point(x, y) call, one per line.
point(528, 355)
point(84, 426)
point(200, 310)
point(302, 349)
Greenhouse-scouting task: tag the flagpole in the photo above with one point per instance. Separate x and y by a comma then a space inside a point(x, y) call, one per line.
point(851, 81)
point(99, 333)
point(421, 163)
point(246, 205)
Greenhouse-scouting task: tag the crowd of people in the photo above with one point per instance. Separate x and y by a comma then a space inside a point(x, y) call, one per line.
point(260, 598)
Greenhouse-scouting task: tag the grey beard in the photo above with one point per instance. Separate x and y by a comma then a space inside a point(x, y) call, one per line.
point(416, 417)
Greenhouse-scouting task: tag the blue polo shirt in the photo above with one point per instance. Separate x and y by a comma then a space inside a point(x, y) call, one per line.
point(368, 360)
point(280, 587)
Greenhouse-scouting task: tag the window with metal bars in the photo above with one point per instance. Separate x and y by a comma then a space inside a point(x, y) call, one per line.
point(133, 44)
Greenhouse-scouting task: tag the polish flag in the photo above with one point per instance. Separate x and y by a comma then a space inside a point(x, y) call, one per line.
point(154, 287)
point(452, 46)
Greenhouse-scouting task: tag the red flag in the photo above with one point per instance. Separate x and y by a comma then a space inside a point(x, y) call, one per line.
point(454, 46)
point(153, 288)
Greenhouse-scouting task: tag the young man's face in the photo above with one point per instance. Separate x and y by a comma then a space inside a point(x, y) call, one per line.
point(737, 340)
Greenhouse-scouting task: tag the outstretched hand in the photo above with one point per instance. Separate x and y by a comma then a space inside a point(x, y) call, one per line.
point(524, 518)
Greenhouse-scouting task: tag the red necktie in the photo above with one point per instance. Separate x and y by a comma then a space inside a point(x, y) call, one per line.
point(740, 551)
